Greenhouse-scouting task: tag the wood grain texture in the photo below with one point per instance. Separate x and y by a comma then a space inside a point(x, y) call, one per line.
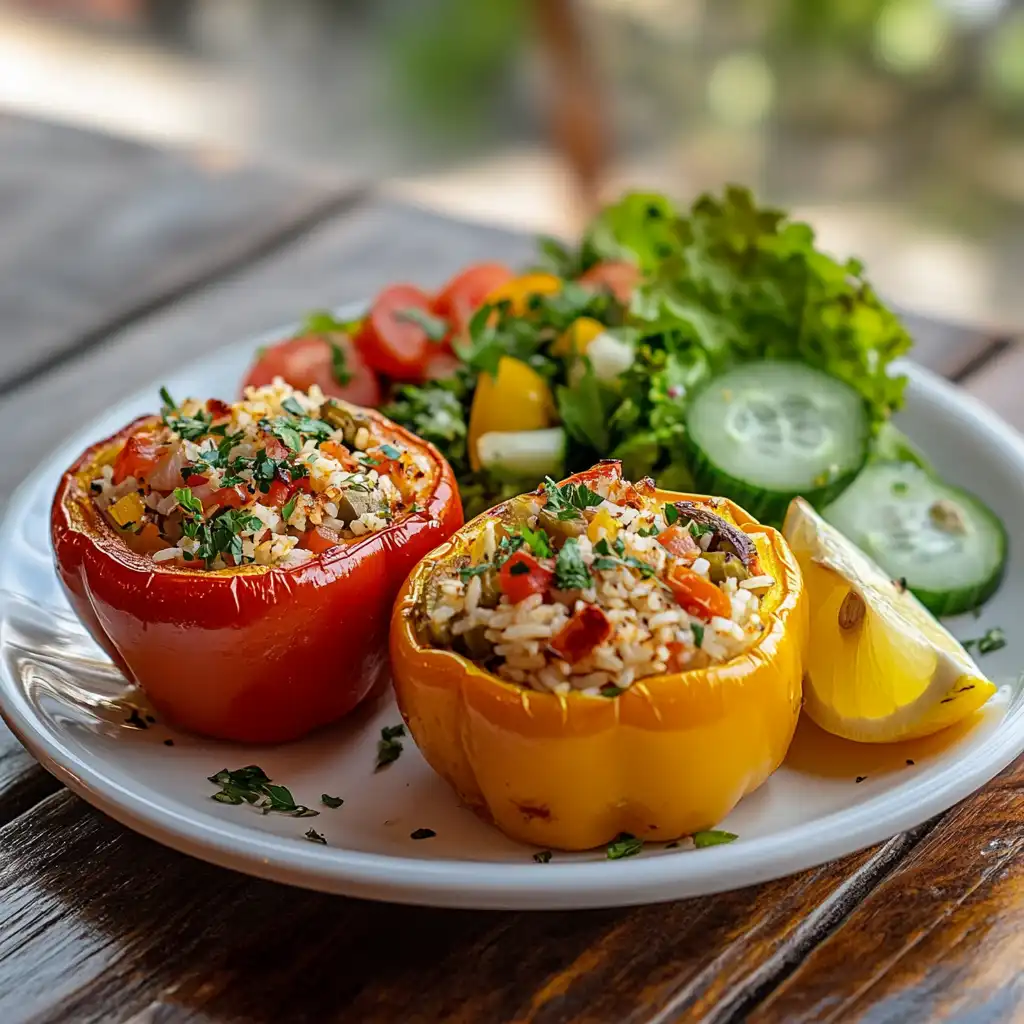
point(99, 230)
point(942, 938)
point(98, 924)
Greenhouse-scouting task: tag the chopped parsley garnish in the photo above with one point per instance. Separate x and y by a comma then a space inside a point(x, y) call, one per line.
point(390, 451)
point(543, 857)
point(315, 837)
point(190, 428)
point(285, 431)
point(609, 561)
point(571, 572)
point(169, 404)
point(697, 628)
point(339, 365)
point(698, 530)
point(289, 507)
point(187, 502)
point(251, 785)
point(331, 801)
point(321, 321)
point(625, 845)
point(536, 540)
point(389, 746)
point(611, 690)
point(467, 572)
point(671, 514)
point(569, 501)
point(433, 327)
point(713, 837)
point(994, 639)
point(423, 833)
point(290, 404)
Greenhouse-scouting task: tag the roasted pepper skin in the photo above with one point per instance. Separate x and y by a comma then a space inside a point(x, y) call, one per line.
point(256, 653)
point(669, 757)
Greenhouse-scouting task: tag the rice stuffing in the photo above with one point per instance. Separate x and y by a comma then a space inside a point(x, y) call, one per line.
point(594, 589)
point(274, 479)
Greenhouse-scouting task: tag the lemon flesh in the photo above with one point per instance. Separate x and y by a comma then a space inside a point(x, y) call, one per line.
point(879, 667)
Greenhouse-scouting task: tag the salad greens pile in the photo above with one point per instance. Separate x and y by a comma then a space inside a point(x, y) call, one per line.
point(724, 282)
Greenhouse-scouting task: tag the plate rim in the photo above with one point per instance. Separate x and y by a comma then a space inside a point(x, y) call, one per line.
point(496, 885)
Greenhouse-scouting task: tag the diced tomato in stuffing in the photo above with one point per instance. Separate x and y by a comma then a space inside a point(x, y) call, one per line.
point(587, 628)
point(139, 457)
point(618, 277)
point(217, 408)
point(320, 539)
point(522, 575)
point(333, 364)
point(336, 450)
point(677, 540)
point(227, 497)
point(697, 595)
point(277, 495)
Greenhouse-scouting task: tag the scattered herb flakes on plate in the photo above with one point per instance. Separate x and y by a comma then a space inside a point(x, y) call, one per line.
point(389, 746)
point(543, 857)
point(625, 845)
point(993, 639)
point(423, 833)
point(713, 837)
point(331, 801)
point(251, 785)
point(315, 837)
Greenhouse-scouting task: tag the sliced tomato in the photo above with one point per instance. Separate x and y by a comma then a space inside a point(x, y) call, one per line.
point(464, 294)
point(310, 360)
point(320, 539)
point(617, 277)
point(522, 575)
point(140, 455)
point(440, 365)
point(390, 343)
point(697, 594)
point(587, 628)
point(277, 495)
point(677, 540)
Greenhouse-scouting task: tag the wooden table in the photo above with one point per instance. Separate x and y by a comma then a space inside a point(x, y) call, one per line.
point(116, 263)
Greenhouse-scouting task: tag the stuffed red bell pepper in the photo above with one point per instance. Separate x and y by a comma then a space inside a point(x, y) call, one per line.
point(239, 562)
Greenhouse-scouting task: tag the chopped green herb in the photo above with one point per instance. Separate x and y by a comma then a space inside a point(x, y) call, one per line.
point(713, 837)
point(434, 327)
point(625, 845)
point(571, 572)
point(519, 569)
point(537, 541)
point(339, 365)
point(390, 451)
point(187, 502)
point(389, 746)
point(467, 572)
point(289, 507)
point(569, 501)
point(251, 785)
point(190, 428)
point(671, 514)
point(290, 404)
point(169, 404)
point(994, 639)
point(321, 321)
point(611, 690)
point(331, 801)
point(423, 833)
point(697, 628)
point(543, 857)
point(315, 837)
point(698, 530)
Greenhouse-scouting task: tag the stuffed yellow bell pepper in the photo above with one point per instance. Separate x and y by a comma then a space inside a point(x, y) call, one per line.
point(600, 657)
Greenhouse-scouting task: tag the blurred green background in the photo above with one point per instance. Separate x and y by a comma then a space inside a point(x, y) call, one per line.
point(896, 126)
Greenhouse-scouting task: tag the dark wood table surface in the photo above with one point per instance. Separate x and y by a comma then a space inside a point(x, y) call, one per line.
point(117, 262)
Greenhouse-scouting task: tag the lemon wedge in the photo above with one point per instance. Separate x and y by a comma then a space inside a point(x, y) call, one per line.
point(879, 667)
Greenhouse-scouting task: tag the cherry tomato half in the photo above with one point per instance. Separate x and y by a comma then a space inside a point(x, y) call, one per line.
point(310, 360)
point(392, 343)
point(620, 278)
point(464, 294)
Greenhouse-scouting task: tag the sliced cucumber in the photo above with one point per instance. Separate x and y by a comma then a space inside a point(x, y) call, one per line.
point(766, 432)
point(523, 454)
point(948, 546)
point(892, 445)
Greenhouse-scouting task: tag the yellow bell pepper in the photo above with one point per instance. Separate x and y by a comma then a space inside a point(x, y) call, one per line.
point(517, 398)
point(670, 756)
point(577, 336)
point(603, 525)
point(127, 510)
point(517, 292)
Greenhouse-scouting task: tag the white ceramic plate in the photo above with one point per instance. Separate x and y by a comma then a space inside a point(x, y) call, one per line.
point(69, 708)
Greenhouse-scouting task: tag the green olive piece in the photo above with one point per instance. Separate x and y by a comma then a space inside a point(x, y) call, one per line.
point(560, 530)
point(725, 565)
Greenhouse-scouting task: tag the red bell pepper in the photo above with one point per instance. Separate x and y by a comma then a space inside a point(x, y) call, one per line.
point(254, 653)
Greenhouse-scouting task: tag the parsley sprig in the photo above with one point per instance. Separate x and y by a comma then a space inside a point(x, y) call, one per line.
point(252, 785)
point(993, 639)
point(568, 501)
point(571, 572)
point(389, 746)
point(612, 556)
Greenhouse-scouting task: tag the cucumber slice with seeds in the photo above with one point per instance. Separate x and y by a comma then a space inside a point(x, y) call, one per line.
point(766, 432)
point(949, 547)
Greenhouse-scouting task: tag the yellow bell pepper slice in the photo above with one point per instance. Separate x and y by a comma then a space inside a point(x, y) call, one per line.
point(517, 398)
point(603, 525)
point(127, 510)
point(577, 336)
point(670, 756)
point(517, 292)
